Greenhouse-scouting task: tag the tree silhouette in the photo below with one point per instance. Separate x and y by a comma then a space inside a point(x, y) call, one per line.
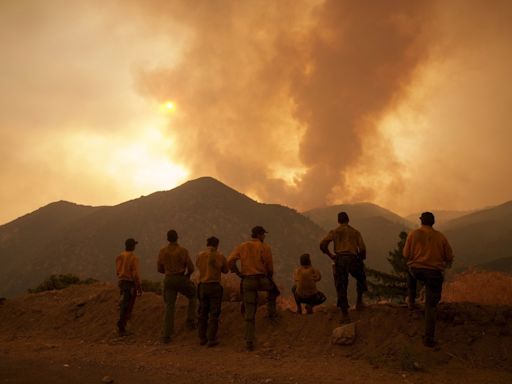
point(382, 285)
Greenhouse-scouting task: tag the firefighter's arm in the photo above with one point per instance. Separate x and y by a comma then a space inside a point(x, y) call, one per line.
point(324, 246)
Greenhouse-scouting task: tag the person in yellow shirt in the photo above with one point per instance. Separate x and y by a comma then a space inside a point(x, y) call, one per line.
point(428, 253)
point(304, 290)
point(211, 265)
point(174, 261)
point(127, 270)
point(349, 255)
point(256, 271)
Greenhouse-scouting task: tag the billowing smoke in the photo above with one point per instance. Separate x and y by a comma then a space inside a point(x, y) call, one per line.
point(276, 98)
point(303, 102)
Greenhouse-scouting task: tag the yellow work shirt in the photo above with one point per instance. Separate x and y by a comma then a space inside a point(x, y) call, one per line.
point(346, 240)
point(255, 258)
point(427, 248)
point(211, 264)
point(127, 267)
point(174, 260)
point(305, 279)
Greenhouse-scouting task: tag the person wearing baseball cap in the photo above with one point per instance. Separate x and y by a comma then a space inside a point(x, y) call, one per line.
point(127, 270)
point(428, 253)
point(256, 271)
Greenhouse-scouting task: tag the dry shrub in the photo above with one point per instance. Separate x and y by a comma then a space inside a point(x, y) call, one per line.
point(481, 287)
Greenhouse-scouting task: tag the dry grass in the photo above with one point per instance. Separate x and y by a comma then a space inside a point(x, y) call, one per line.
point(481, 287)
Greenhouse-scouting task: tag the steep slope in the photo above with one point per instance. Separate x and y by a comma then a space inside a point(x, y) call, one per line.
point(76, 326)
point(482, 236)
point(378, 226)
point(87, 244)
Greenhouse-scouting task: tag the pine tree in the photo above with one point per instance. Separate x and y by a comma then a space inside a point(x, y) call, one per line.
point(382, 285)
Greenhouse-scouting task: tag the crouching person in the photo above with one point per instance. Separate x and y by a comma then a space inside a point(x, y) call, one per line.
point(304, 290)
point(211, 264)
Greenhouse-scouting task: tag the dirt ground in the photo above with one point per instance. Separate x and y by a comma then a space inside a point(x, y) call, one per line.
point(69, 336)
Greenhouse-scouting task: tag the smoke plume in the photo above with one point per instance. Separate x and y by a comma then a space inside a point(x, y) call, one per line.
point(277, 98)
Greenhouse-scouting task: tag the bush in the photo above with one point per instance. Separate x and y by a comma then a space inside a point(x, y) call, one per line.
point(392, 286)
point(56, 282)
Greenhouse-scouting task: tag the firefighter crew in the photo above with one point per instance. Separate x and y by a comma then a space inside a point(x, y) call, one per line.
point(349, 255)
point(256, 271)
point(174, 261)
point(211, 264)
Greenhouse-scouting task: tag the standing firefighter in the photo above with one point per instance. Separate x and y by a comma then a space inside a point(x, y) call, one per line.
point(349, 255)
point(256, 272)
point(211, 264)
point(305, 291)
point(175, 263)
point(428, 254)
point(127, 270)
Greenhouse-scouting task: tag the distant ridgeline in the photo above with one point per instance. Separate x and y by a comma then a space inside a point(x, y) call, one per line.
point(63, 237)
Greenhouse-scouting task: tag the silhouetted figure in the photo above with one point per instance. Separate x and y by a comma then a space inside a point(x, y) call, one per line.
point(127, 270)
point(304, 290)
point(211, 264)
point(257, 269)
point(349, 255)
point(428, 253)
point(175, 263)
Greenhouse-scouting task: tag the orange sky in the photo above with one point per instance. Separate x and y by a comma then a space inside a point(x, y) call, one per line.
point(304, 103)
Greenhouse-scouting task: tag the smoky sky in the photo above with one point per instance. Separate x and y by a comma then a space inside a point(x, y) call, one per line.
point(304, 103)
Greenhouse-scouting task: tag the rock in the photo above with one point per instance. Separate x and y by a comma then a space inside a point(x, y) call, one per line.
point(344, 335)
point(107, 379)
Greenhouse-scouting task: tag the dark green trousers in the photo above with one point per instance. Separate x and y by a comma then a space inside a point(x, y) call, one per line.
point(433, 281)
point(348, 264)
point(127, 291)
point(251, 285)
point(173, 285)
point(210, 303)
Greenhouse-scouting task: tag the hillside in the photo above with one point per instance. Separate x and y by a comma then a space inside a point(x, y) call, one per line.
point(26, 243)
point(68, 238)
point(378, 226)
point(483, 237)
point(442, 216)
point(69, 336)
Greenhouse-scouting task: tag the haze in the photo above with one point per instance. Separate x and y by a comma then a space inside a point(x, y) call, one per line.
point(303, 103)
